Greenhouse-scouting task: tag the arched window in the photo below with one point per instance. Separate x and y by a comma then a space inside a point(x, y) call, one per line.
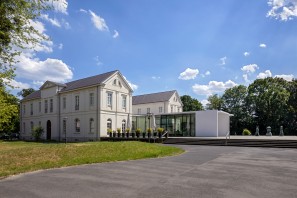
point(123, 126)
point(109, 123)
point(92, 125)
point(77, 125)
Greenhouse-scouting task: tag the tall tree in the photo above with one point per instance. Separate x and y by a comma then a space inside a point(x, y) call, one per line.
point(214, 102)
point(291, 115)
point(191, 104)
point(25, 92)
point(17, 31)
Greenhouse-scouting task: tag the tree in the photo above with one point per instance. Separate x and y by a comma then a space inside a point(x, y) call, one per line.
point(17, 31)
point(25, 92)
point(37, 133)
point(291, 115)
point(9, 111)
point(191, 104)
point(234, 102)
point(214, 102)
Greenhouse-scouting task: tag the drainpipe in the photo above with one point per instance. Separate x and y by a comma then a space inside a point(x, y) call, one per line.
point(21, 123)
point(59, 114)
point(98, 117)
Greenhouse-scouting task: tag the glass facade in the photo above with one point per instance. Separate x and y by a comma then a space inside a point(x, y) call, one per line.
point(181, 124)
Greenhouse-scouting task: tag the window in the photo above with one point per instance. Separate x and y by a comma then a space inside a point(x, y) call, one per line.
point(109, 99)
point(31, 109)
point(160, 109)
point(39, 107)
point(138, 111)
point(178, 109)
point(120, 84)
point(64, 103)
point(91, 99)
point(148, 110)
point(45, 106)
point(92, 125)
point(77, 125)
point(32, 126)
point(171, 108)
point(123, 126)
point(109, 123)
point(64, 126)
point(115, 81)
point(39, 123)
point(24, 127)
point(124, 102)
point(76, 102)
point(24, 109)
point(51, 105)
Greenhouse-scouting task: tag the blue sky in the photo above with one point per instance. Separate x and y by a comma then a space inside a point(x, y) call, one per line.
point(198, 48)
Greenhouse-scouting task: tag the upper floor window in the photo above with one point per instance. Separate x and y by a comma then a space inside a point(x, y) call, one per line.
point(92, 125)
point(115, 81)
point(51, 105)
point(39, 107)
point(160, 109)
point(77, 125)
point(148, 110)
point(171, 108)
point(24, 109)
point(64, 103)
point(178, 109)
point(24, 127)
point(139, 111)
point(45, 106)
point(124, 102)
point(31, 109)
point(76, 102)
point(91, 99)
point(39, 123)
point(109, 99)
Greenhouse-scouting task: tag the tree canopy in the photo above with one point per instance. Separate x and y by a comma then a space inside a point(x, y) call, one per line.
point(25, 92)
point(191, 104)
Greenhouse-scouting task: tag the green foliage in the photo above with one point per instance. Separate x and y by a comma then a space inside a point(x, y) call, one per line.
point(149, 130)
point(25, 92)
point(128, 130)
point(160, 130)
point(20, 157)
point(118, 130)
point(109, 130)
point(214, 102)
point(37, 132)
point(138, 130)
point(17, 31)
point(191, 104)
point(246, 132)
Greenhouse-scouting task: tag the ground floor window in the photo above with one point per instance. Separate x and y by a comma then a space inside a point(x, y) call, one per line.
point(92, 125)
point(123, 126)
point(64, 126)
point(109, 122)
point(77, 125)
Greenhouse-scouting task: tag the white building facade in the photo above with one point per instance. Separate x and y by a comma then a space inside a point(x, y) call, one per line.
point(80, 110)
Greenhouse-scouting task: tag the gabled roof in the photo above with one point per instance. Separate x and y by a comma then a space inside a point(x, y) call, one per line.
point(85, 82)
point(48, 82)
point(152, 98)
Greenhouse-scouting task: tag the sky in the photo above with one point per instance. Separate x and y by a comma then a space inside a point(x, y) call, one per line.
point(197, 47)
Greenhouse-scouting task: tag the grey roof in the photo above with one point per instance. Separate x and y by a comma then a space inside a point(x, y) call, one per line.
point(85, 82)
point(151, 98)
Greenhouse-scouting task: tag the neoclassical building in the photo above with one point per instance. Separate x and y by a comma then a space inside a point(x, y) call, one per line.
point(80, 110)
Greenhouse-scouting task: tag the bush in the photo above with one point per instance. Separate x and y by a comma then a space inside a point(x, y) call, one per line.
point(246, 132)
point(37, 132)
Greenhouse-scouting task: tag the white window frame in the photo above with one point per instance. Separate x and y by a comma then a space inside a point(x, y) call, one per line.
point(109, 123)
point(139, 111)
point(77, 125)
point(109, 99)
point(92, 125)
point(64, 102)
point(51, 105)
point(45, 106)
point(124, 101)
point(148, 110)
point(92, 99)
point(31, 109)
point(160, 109)
point(76, 102)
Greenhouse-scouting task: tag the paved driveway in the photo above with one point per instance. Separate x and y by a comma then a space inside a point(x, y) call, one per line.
point(203, 171)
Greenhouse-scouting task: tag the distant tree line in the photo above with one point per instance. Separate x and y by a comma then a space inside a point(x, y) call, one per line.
point(266, 102)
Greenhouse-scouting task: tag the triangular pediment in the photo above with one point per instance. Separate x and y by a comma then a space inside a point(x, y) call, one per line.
point(50, 84)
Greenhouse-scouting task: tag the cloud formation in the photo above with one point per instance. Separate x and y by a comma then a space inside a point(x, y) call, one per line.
point(59, 5)
point(223, 60)
point(265, 74)
point(262, 45)
point(285, 77)
point(282, 9)
point(116, 34)
point(250, 68)
point(212, 87)
point(98, 22)
point(188, 74)
point(246, 54)
point(54, 21)
point(133, 86)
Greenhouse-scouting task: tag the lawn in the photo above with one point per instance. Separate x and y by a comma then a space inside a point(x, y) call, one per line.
point(19, 157)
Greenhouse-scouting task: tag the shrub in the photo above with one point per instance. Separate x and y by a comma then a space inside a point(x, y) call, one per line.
point(149, 130)
point(37, 132)
point(127, 130)
point(246, 132)
point(118, 130)
point(138, 130)
point(160, 130)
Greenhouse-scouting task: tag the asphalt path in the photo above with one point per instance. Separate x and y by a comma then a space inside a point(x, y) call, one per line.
point(202, 171)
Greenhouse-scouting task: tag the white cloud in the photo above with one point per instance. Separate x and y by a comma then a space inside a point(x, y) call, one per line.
point(286, 77)
point(98, 22)
point(212, 87)
point(207, 73)
point(204, 102)
point(282, 9)
point(83, 10)
point(17, 85)
point(245, 77)
point(98, 62)
point(54, 21)
point(262, 45)
point(133, 86)
point(156, 77)
point(250, 68)
point(265, 74)
point(188, 74)
point(38, 83)
point(60, 46)
point(223, 60)
point(116, 34)
point(59, 5)
point(246, 54)
point(36, 70)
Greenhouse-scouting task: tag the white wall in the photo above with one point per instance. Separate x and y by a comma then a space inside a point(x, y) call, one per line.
point(207, 123)
point(223, 123)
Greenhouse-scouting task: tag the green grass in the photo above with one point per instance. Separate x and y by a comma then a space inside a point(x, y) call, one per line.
point(19, 157)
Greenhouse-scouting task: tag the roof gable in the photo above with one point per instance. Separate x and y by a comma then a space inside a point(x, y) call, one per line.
point(152, 98)
point(49, 84)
